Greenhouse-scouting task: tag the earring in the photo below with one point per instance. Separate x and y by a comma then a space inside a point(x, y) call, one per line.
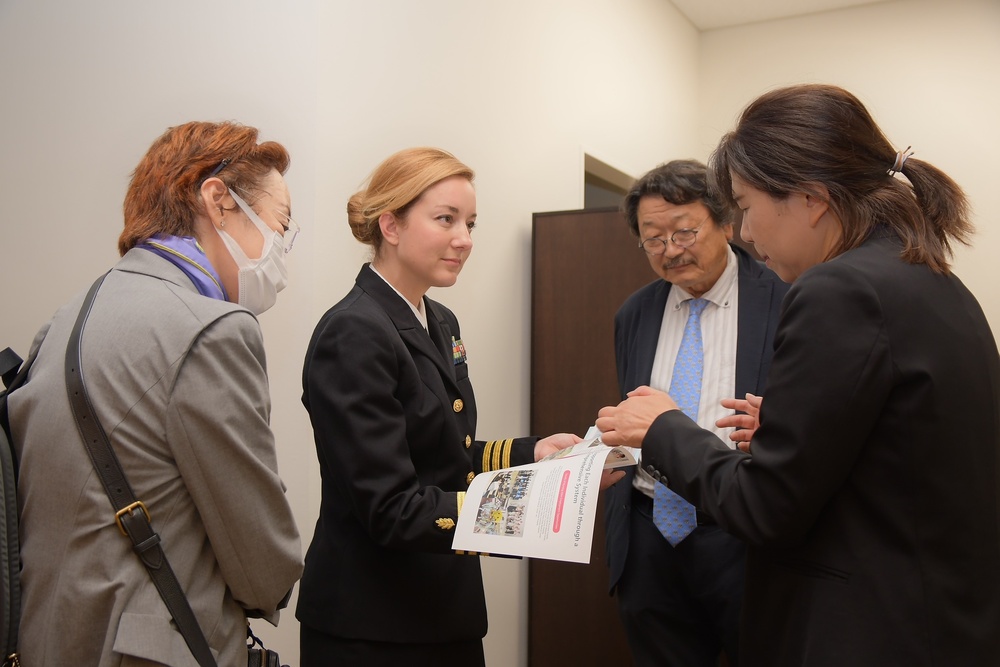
point(222, 212)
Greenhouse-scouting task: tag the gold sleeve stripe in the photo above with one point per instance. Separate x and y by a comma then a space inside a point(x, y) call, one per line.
point(486, 455)
point(461, 500)
point(497, 453)
point(471, 553)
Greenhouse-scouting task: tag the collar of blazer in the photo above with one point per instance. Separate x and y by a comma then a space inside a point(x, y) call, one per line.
point(435, 346)
point(147, 263)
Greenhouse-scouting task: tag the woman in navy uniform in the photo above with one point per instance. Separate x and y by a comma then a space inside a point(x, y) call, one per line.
point(386, 383)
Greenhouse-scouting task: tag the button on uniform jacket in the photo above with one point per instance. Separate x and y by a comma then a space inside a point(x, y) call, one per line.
point(394, 419)
point(871, 501)
point(179, 384)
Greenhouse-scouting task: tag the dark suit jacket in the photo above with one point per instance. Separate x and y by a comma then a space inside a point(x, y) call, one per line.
point(394, 418)
point(871, 502)
point(637, 330)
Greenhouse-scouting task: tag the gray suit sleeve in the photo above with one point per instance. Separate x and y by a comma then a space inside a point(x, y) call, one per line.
point(218, 428)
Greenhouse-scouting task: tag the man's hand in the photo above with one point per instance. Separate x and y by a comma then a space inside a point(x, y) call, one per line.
point(610, 477)
point(745, 424)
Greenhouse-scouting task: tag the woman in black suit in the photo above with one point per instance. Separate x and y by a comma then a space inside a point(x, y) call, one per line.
point(869, 493)
point(386, 384)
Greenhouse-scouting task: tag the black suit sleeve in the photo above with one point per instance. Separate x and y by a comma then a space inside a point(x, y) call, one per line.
point(829, 380)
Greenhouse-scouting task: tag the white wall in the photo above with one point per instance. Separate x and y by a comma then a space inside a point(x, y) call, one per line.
point(519, 90)
point(928, 70)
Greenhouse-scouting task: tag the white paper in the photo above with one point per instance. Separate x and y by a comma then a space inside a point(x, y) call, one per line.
point(540, 510)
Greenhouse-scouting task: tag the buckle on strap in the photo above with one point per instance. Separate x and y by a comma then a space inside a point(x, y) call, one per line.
point(129, 510)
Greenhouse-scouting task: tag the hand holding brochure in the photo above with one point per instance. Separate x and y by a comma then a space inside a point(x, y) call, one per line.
point(541, 510)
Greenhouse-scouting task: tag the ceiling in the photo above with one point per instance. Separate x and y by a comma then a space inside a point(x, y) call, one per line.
point(709, 14)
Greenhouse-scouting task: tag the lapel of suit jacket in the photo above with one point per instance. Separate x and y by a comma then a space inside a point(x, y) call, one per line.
point(416, 339)
point(648, 333)
point(755, 305)
point(440, 332)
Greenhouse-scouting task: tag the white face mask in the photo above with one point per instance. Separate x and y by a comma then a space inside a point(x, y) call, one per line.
point(261, 279)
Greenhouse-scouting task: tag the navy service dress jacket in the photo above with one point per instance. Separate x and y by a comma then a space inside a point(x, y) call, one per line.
point(394, 418)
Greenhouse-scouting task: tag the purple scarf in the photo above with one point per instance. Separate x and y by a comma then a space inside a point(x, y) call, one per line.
point(185, 253)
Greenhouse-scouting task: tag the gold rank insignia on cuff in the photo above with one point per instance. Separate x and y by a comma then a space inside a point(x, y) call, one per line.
point(445, 524)
point(496, 454)
point(461, 501)
point(471, 553)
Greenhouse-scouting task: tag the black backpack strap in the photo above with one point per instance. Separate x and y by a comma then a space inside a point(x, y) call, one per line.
point(14, 375)
point(10, 551)
point(131, 514)
point(9, 364)
point(10, 371)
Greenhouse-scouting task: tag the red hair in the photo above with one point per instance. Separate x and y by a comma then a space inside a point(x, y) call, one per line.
point(164, 195)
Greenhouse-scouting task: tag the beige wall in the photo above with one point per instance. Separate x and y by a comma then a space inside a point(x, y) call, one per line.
point(520, 90)
point(928, 70)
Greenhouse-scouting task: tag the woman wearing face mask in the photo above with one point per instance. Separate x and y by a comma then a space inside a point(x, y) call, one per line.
point(174, 365)
point(386, 383)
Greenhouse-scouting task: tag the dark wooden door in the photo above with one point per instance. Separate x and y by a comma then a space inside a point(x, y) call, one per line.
point(584, 265)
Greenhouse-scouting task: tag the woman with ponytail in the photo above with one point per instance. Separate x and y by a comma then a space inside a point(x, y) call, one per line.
point(867, 485)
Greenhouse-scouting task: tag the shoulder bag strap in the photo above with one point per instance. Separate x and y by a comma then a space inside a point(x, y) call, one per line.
point(131, 514)
point(10, 554)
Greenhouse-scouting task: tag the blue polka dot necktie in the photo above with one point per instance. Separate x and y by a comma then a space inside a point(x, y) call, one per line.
point(672, 515)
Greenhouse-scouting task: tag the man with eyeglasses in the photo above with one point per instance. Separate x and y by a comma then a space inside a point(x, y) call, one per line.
point(679, 595)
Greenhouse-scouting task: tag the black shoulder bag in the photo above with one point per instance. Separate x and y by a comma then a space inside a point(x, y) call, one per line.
point(131, 514)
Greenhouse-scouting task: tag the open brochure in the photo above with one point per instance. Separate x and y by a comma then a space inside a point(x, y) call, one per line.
point(544, 509)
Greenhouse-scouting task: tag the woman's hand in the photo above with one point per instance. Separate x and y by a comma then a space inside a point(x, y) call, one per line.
point(627, 422)
point(554, 443)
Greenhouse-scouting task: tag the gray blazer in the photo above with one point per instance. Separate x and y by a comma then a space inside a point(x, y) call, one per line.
point(179, 383)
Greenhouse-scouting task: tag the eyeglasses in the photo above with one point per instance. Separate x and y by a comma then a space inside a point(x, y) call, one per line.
point(222, 165)
point(291, 231)
point(289, 228)
point(682, 238)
